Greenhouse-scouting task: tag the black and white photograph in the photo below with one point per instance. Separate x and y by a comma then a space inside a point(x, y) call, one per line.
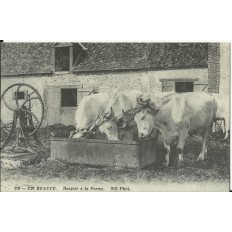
point(115, 117)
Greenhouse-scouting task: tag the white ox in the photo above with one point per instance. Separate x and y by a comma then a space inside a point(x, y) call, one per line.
point(223, 112)
point(175, 116)
point(88, 110)
point(108, 124)
point(117, 123)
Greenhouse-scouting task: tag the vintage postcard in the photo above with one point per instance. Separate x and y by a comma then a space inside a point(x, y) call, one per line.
point(115, 117)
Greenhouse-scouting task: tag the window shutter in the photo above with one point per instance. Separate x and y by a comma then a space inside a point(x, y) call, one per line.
point(168, 86)
point(82, 93)
point(52, 107)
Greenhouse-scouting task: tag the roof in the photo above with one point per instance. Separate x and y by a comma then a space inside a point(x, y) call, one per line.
point(26, 58)
point(32, 58)
point(57, 45)
point(127, 56)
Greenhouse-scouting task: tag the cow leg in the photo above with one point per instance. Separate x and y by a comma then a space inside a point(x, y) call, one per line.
point(226, 126)
point(213, 128)
point(223, 126)
point(204, 144)
point(206, 149)
point(226, 133)
point(180, 147)
point(166, 155)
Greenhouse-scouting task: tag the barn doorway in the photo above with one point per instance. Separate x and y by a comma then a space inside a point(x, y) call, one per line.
point(182, 87)
point(61, 59)
point(61, 103)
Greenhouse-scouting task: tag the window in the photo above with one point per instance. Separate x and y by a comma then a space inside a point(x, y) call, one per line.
point(69, 97)
point(68, 56)
point(181, 87)
point(61, 59)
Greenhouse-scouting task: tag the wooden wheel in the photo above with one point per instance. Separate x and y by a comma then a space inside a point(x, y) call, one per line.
point(22, 109)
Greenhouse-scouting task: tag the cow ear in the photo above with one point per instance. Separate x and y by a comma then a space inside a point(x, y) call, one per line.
point(153, 108)
point(155, 105)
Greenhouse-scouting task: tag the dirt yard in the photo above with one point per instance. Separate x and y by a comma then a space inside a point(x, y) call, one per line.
point(211, 174)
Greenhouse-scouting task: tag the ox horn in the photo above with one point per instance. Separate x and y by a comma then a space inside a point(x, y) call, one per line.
point(122, 127)
point(71, 134)
point(123, 111)
point(111, 112)
point(92, 127)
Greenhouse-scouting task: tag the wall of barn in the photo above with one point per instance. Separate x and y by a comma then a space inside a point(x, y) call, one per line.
point(214, 67)
point(140, 80)
point(219, 67)
point(107, 82)
point(225, 68)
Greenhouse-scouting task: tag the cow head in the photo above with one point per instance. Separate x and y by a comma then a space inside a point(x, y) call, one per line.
point(78, 133)
point(106, 124)
point(102, 124)
point(145, 122)
point(127, 117)
point(144, 117)
point(110, 129)
point(84, 132)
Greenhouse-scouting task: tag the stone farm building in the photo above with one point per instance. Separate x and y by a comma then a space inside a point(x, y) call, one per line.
point(64, 72)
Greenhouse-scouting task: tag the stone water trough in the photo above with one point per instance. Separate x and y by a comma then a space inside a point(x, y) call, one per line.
point(105, 152)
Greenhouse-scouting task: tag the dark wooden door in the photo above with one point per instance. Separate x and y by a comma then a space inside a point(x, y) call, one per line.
point(62, 59)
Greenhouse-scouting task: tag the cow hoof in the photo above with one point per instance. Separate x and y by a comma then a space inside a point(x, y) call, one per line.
point(164, 165)
point(181, 159)
point(180, 164)
point(200, 157)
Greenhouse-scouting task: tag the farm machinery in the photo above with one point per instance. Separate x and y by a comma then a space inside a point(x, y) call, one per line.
point(22, 112)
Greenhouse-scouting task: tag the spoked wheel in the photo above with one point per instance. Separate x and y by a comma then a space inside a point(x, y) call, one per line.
point(7, 131)
point(22, 110)
point(6, 127)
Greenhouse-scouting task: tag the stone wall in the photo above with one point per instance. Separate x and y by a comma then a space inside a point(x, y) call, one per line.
point(214, 67)
point(225, 68)
point(107, 82)
point(111, 82)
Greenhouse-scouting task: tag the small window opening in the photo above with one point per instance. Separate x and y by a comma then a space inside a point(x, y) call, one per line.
point(181, 87)
point(69, 97)
point(61, 59)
